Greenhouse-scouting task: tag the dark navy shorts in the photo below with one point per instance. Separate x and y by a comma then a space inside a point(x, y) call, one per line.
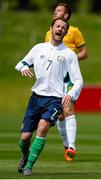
point(41, 107)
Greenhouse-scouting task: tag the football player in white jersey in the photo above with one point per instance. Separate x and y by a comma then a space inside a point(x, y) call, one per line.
point(51, 61)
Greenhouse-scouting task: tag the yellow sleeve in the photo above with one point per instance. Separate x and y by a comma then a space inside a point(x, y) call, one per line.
point(48, 36)
point(78, 38)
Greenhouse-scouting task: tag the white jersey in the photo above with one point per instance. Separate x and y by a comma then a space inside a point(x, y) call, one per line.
point(51, 64)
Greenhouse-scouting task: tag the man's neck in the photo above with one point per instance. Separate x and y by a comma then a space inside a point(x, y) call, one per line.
point(54, 43)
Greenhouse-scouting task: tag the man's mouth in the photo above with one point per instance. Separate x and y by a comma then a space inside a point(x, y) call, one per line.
point(58, 34)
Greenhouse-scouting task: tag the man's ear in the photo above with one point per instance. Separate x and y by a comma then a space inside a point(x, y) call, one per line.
point(66, 15)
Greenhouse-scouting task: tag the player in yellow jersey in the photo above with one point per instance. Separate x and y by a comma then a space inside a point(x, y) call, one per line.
point(66, 124)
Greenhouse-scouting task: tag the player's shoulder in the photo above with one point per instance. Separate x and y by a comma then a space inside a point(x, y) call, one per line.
point(66, 48)
point(48, 32)
point(41, 45)
point(48, 36)
point(68, 51)
point(73, 29)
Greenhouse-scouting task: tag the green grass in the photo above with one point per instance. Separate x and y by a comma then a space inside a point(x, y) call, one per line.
point(87, 164)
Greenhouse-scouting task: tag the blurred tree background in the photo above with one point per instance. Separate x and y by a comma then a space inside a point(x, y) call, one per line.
point(94, 5)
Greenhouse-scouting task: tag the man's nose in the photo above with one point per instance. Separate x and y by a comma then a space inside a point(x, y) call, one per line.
point(60, 29)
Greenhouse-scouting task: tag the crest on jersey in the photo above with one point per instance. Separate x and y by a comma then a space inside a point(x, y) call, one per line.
point(60, 59)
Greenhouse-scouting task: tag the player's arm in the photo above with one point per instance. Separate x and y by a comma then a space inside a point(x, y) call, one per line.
point(80, 44)
point(24, 65)
point(76, 79)
point(75, 76)
point(26, 72)
point(66, 101)
point(82, 54)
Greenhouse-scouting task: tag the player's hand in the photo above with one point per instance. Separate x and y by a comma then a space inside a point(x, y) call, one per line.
point(27, 72)
point(66, 101)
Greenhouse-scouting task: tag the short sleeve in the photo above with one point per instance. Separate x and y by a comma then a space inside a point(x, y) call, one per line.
point(78, 38)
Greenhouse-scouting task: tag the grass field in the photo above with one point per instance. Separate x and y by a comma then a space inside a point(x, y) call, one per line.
point(51, 165)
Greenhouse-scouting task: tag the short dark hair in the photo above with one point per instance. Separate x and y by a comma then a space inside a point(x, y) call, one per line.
point(67, 9)
point(53, 22)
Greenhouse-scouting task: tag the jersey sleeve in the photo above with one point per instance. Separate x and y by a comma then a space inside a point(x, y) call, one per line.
point(78, 38)
point(26, 62)
point(75, 77)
